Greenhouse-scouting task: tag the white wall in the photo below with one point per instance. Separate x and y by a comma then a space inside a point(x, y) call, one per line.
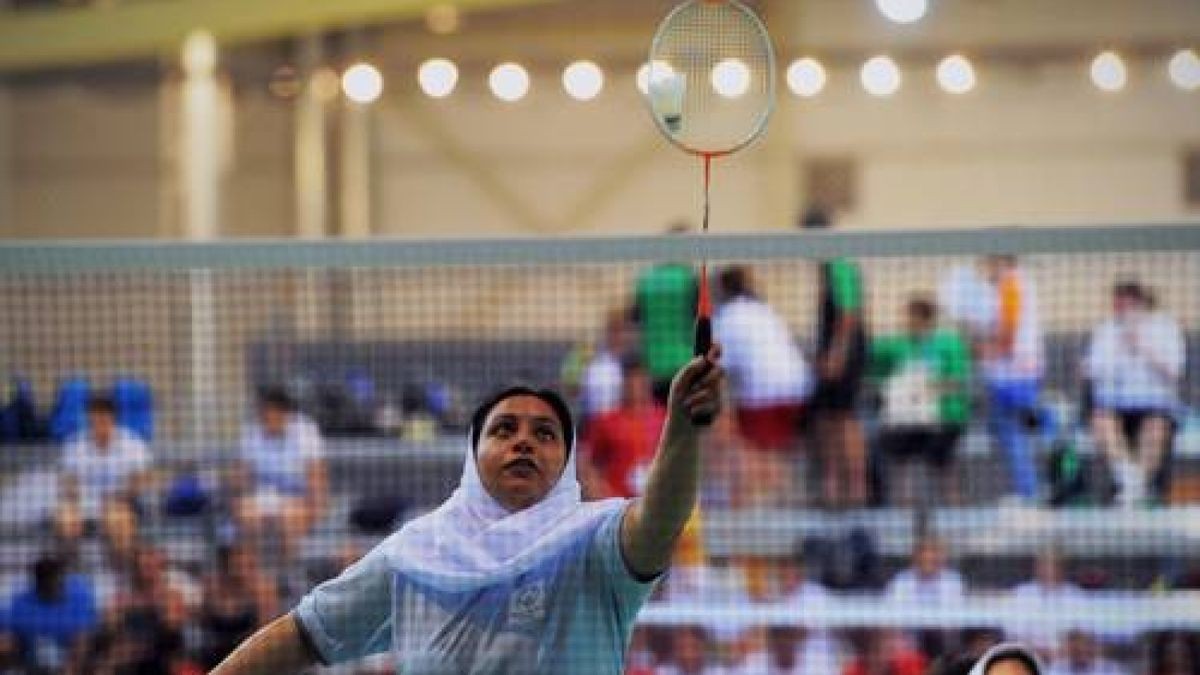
point(85, 163)
point(6, 125)
point(1035, 144)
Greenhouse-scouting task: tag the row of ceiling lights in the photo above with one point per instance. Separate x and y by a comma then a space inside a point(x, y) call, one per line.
point(806, 77)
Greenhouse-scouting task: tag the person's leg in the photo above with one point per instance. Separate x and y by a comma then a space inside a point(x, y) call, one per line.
point(1109, 435)
point(68, 523)
point(825, 425)
point(901, 474)
point(1152, 441)
point(1005, 408)
point(944, 467)
point(295, 518)
point(119, 525)
point(854, 454)
point(1109, 438)
point(247, 518)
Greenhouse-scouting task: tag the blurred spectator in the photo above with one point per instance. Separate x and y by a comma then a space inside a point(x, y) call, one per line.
point(641, 658)
point(50, 620)
point(284, 456)
point(795, 585)
point(665, 306)
point(1174, 653)
point(840, 364)
point(600, 382)
point(1047, 590)
point(845, 561)
point(104, 474)
point(1134, 362)
point(769, 381)
point(1083, 655)
point(721, 484)
point(18, 417)
point(793, 650)
point(926, 403)
point(1009, 658)
point(882, 652)
point(691, 653)
point(1012, 362)
point(143, 632)
point(620, 444)
point(928, 581)
point(968, 300)
point(238, 598)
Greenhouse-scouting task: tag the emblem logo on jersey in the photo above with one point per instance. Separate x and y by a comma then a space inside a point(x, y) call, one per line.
point(528, 603)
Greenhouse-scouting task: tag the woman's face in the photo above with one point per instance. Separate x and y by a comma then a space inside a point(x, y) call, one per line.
point(522, 451)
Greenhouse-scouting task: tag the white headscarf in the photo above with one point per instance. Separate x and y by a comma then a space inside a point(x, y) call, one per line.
point(471, 541)
point(1007, 649)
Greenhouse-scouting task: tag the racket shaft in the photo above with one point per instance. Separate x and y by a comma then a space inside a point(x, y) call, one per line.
point(702, 344)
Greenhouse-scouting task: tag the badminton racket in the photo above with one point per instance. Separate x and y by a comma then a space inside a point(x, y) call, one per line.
point(711, 90)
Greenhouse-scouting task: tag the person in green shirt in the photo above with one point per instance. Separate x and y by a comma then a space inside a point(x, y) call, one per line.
point(665, 307)
point(840, 359)
point(922, 374)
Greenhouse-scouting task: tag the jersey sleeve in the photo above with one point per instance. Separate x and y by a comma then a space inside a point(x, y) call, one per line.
point(956, 358)
point(630, 591)
point(312, 446)
point(845, 285)
point(140, 458)
point(883, 357)
point(350, 616)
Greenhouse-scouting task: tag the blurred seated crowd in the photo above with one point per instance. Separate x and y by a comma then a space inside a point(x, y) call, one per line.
point(856, 421)
point(102, 598)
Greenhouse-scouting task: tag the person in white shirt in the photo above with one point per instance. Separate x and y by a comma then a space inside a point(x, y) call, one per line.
point(796, 587)
point(282, 472)
point(600, 384)
point(792, 650)
point(104, 472)
point(769, 381)
point(692, 653)
point(1048, 588)
point(1084, 656)
point(1134, 363)
point(929, 581)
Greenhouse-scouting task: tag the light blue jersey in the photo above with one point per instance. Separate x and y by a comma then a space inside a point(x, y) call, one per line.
point(573, 613)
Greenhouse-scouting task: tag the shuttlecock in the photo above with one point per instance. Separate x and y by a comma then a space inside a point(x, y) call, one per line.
point(667, 92)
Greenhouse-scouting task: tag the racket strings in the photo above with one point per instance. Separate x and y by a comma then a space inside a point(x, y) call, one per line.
point(724, 60)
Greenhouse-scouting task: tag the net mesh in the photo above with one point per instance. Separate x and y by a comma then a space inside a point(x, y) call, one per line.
point(712, 76)
point(944, 549)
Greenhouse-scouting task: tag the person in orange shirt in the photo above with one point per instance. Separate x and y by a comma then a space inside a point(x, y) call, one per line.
point(620, 443)
point(1011, 357)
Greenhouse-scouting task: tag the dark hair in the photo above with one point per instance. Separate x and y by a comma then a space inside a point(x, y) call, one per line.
point(923, 308)
point(276, 397)
point(1129, 288)
point(735, 282)
point(101, 403)
point(561, 410)
point(953, 665)
point(48, 572)
point(815, 218)
point(632, 363)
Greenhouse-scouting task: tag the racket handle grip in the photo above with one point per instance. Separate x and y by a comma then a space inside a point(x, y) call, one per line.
point(704, 337)
point(703, 343)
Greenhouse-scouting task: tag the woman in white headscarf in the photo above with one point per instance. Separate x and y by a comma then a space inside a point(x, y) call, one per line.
point(514, 573)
